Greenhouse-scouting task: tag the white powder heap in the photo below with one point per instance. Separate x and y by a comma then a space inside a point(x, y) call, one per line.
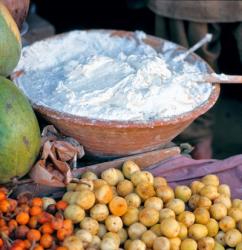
point(94, 75)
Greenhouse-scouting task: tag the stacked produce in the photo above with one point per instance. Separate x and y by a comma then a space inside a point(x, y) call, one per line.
point(134, 210)
point(129, 209)
point(35, 224)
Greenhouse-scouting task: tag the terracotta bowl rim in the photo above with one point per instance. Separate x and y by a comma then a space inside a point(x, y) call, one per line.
point(85, 121)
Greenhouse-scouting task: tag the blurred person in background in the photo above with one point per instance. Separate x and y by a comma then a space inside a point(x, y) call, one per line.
point(185, 23)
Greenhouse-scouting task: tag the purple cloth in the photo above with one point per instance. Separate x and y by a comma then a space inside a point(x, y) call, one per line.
point(183, 170)
point(177, 170)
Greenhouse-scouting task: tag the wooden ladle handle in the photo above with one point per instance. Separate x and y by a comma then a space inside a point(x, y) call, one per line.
point(223, 79)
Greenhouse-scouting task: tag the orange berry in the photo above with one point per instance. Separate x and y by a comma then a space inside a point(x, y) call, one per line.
point(2, 222)
point(68, 226)
point(118, 206)
point(33, 235)
point(25, 208)
point(12, 224)
point(1, 242)
point(19, 243)
point(46, 240)
point(46, 228)
point(5, 230)
point(35, 210)
point(57, 223)
point(13, 204)
point(3, 189)
point(44, 217)
point(22, 218)
point(61, 234)
point(33, 222)
point(4, 206)
point(37, 202)
point(61, 248)
point(27, 244)
point(38, 247)
point(21, 232)
point(61, 205)
point(2, 195)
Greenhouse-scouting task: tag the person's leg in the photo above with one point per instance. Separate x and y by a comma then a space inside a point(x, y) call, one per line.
point(185, 33)
point(202, 127)
point(171, 29)
point(209, 52)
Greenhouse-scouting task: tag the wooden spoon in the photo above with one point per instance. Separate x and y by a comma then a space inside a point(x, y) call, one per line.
point(212, 78)
point(222, 78)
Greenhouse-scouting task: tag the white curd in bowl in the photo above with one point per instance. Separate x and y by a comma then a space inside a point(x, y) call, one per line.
point(95, 75)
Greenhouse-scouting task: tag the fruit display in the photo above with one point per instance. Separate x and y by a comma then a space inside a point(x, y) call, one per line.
point(10, 42)
point(132, 209)
point(129, 209)
point(36, 223)
point(20, 133)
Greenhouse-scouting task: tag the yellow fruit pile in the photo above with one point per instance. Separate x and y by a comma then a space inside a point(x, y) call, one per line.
point(134, 210)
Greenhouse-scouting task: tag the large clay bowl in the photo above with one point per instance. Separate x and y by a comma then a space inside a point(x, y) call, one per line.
point(116, 138)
